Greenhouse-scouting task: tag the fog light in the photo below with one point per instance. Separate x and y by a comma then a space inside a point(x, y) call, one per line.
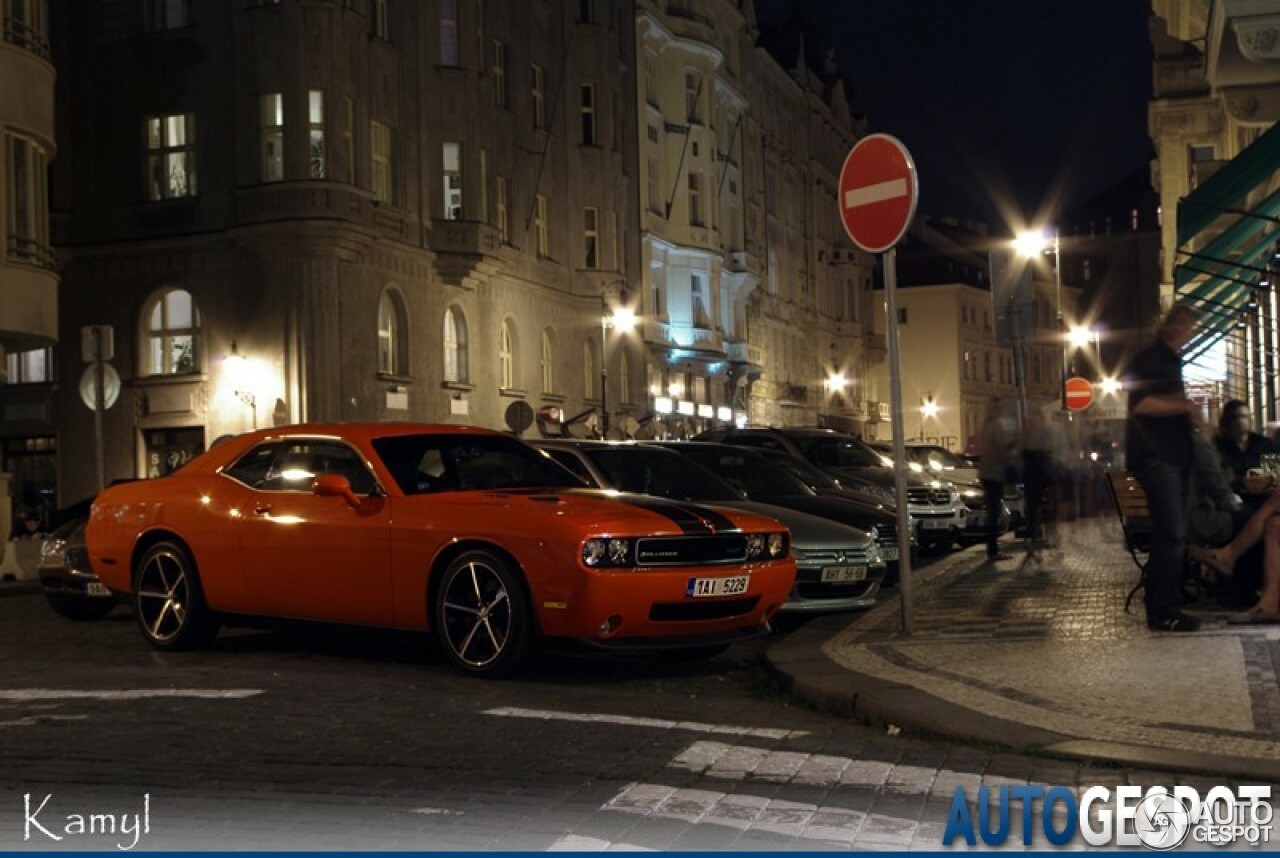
point(610, 626)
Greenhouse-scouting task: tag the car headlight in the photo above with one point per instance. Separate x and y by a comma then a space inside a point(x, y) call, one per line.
point(777, 545)
point(607, 551)
point(53, 552)
point(874, 557)
point(755, 545)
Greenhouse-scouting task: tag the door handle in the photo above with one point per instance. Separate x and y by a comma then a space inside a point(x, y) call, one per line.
point(262, 509)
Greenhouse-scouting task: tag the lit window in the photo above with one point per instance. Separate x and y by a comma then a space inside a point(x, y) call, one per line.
point(171, 156)
point(504, 231)
point(695, 199)
point(591, 238)
point(272, 122)
point(28, 209)
point(546, 362)
point(693, 96)
point(536, 90)
point(315, 126)
point(448, 32)
point(540, 226)
point(588, 106)
point(499, 72)
point(452, 166)
point(171, 343)
point(30, 367)
point(392, 325)
point(455, 346)
point(167, 14)
point(506, 356)
point(380, 145)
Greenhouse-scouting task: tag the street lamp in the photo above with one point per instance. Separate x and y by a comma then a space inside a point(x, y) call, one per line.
point(237, 366)
point(928, 409)
point(1032, 244)
point(622, 319)
point(834, 383)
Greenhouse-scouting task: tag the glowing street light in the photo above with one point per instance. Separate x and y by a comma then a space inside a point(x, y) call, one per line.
point(623, 320)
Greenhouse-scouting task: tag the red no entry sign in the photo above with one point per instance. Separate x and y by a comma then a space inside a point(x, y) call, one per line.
point(1078, 393)
point(878, 192)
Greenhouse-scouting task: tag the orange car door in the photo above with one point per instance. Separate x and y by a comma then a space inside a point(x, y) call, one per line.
point(318, 557)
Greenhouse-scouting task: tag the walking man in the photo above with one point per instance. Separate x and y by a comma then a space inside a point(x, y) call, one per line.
point(1159, 453)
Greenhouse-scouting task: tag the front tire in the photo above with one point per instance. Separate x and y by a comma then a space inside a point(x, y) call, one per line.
point(482, 617)
point(168, 601)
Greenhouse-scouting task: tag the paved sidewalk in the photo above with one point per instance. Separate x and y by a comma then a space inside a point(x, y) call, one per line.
point(1041, 657)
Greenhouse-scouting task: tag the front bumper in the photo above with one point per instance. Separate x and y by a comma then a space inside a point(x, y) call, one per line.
point(632, 606)
point(59, 582)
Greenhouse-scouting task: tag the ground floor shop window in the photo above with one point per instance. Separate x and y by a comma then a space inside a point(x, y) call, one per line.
point(32, 464)
point(170, 449)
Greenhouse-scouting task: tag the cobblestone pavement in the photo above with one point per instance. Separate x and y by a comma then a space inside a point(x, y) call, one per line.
point(319, 740)
point(1046, 644)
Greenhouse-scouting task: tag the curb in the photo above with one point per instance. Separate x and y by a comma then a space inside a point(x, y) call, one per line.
point(799, 664)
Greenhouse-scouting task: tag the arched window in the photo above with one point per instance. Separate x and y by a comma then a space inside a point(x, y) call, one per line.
point(172, 341)
point(546, 363)
point(589, 370)
point(507, 356)
point(455, 346)
point(393, 347)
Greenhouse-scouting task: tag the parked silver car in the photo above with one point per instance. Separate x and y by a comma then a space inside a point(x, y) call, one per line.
point(839, 567)
point(66, 578)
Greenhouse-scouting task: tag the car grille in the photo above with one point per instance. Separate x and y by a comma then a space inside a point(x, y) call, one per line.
point(691, 550)
point(929, 497)
point(833, 591)
point(841, 557)
point(707, 610)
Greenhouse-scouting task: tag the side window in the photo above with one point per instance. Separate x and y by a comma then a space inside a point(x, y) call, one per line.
point(572, 463)
point(298, 463)
point(251, 468)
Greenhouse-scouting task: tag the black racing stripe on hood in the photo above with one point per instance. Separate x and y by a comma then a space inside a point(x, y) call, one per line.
point(718, 521)
point(689, 521)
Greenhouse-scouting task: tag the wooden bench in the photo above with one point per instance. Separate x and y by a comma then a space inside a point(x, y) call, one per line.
point(1135, 521)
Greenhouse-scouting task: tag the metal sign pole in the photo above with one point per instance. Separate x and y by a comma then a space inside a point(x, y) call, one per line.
point(899, 440)
point(99, 403)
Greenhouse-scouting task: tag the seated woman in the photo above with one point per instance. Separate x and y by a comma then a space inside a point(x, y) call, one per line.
point(1216, 516)
point(1262, 527)
point(1239, 447)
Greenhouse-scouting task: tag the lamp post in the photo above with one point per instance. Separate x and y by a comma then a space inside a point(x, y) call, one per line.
point(834, 383)
point(928, 409)
point(622, 319)
point(1030, 245)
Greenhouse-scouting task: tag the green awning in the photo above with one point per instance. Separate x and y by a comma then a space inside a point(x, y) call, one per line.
point(1228, 187)
point(1220, 277)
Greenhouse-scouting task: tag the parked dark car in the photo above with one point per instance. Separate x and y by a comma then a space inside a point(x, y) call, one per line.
point(69, 584)
point(935, 505)
point(838, 567)
point(760, 478)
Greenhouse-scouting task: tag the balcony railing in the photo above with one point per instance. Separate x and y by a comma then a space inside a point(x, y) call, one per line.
point(29, 251)
point(21, 33)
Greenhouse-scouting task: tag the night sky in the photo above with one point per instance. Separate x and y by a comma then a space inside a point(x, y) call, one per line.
point(1012, 109)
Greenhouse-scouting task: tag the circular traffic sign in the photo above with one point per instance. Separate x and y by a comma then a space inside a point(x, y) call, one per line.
point(110, 386)
point(1078, 393)
point(878, 192)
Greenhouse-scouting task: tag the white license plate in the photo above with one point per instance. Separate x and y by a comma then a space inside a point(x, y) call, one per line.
point(841, 574)
point(936, 524)
point(735, 586)
point(889, 554)
point(93, 588)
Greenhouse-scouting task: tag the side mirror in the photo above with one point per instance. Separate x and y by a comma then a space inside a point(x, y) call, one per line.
point(335, 485)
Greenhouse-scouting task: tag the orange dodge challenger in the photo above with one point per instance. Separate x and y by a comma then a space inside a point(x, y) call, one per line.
point(464, 531)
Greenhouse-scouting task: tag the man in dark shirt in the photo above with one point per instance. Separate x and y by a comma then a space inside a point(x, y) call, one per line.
point(1159, 453)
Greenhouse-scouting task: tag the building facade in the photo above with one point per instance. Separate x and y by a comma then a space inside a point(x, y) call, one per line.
point(1215, 105)
point(28, 274)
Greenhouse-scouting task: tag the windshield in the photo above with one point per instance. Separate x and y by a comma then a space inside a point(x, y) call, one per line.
point(837, 452)
point(802, 470)
point(421, 464)
point(947, 459)
point(657, 472)
point(748, 472)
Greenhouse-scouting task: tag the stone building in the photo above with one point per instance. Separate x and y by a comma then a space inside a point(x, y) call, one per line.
point(28, 275)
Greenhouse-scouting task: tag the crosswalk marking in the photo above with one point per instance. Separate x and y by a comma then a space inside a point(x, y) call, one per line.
point(26, 695)
point(657, 723)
